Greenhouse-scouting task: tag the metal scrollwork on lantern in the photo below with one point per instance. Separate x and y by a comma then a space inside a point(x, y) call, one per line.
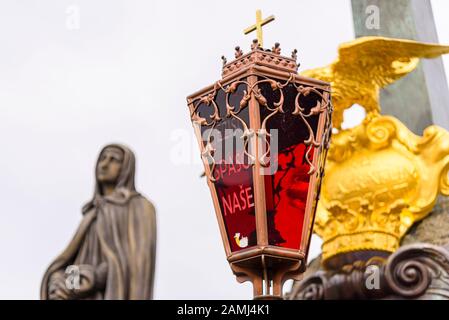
point(263, 132)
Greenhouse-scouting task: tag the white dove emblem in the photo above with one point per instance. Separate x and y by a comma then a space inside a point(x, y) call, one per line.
point(241, 242)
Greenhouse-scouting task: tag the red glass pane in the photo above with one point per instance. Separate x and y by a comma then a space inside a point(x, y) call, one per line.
point(286, 196)
point(233, 174)
point(235, 194)
point(287, 189)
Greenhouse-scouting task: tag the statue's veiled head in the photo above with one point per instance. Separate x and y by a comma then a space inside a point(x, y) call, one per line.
point(115, 169)
point(109, 165)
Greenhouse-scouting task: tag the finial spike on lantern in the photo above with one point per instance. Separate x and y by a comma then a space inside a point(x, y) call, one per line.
point(238, 52)
point(277, 48)
point(225, 61)
point(294, 54)
point(255, 44)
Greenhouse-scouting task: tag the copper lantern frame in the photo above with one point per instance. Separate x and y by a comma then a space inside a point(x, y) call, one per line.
point(265, 265)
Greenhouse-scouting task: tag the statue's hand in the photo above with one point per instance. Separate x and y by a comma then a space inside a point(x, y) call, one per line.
point(83, 282)
point(86, 281)
point(91, 279)
point(57, 289)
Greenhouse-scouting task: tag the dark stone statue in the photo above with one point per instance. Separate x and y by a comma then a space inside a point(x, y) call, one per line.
point(112, 254)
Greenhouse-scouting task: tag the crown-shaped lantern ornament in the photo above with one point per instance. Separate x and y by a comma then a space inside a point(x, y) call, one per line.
point(263, 132)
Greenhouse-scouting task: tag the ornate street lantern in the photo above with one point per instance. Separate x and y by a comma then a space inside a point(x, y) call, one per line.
point(263, 132)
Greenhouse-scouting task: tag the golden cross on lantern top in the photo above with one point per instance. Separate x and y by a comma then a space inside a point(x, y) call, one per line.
point(258, 26)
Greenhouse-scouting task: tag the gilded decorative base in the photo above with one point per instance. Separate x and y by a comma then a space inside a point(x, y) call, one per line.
point(380, 179)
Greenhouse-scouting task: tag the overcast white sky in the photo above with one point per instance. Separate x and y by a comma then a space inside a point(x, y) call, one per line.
point(123, 76)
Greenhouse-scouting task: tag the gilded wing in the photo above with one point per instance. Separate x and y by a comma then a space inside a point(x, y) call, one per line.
point(384, 60)
point(323, 73)
point(366, 65)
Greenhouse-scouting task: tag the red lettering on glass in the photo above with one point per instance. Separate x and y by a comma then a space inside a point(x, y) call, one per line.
point(227, 204)
point(237, 201)
point(249, 196)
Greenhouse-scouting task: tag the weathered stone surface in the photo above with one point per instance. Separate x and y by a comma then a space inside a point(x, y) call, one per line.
point(434, 229)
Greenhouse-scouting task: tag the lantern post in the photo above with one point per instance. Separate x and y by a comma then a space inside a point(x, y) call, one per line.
point(263, 132)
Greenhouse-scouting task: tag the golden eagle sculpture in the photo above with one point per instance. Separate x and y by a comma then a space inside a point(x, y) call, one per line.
point(366, 65)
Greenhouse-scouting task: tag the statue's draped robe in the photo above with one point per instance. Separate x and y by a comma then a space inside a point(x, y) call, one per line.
point(119, 230)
